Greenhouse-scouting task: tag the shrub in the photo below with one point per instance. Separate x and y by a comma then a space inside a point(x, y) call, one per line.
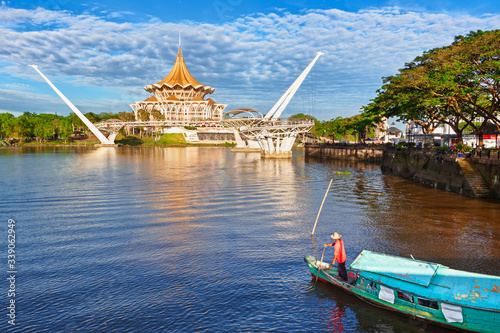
point(402, 144)
point(463, 148)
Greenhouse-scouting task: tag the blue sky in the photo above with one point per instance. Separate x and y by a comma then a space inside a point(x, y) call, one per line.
point(102, 54)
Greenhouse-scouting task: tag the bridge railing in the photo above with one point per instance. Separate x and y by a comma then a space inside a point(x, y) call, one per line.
point(158, 123)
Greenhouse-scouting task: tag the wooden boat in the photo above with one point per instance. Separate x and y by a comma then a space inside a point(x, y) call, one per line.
point(441, 295)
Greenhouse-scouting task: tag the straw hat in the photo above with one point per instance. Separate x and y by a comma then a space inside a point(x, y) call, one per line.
point(336, 236)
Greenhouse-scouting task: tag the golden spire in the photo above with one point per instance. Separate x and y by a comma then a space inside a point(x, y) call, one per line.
point(179, 74)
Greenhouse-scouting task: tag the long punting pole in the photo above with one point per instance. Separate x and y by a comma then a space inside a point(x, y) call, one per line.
point(317, 217)
point(281, 104)
point(80, 115)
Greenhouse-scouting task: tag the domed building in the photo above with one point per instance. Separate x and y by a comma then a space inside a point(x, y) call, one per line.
point(180, 98)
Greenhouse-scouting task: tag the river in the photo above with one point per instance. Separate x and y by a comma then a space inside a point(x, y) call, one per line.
point(200, 239)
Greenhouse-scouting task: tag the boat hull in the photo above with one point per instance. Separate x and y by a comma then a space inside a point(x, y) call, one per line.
point(474, 320)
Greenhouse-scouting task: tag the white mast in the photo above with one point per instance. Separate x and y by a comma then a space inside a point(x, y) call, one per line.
point(280, 106)
point(80, 115)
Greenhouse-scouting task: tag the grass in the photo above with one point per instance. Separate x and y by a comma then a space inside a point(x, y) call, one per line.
point(169, 139)
point(172, 139)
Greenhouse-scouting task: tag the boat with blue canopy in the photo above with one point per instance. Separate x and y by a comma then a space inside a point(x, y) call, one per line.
point(433, 292)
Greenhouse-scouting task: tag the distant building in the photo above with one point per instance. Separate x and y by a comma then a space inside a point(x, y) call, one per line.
point(393, 134)
point(383, 133)
point(380, 131)
point(180, 98)
point(445, 135)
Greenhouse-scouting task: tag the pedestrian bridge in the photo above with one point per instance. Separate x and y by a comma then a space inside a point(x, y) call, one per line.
point(275, 137)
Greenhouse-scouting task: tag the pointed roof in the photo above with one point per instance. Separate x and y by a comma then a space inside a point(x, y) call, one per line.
point(198, 98)
point(151, 99)
point(179, 74)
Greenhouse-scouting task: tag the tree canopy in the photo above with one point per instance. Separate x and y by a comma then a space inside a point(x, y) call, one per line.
point(457, 85)
point(49, 126)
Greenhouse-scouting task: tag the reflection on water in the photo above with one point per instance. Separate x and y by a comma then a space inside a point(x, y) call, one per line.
point(337, 315)
point(202, 239)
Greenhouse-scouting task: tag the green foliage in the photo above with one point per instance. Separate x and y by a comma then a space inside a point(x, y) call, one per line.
point(142, 115)
point(104, 116)
point(44, 126)
point(454, 84)
point(353, 127)
point(157, 115)
point(65, 128)
point(463, 148)
point(6, 124)
point(440, 149)
point(94, 118)
point(126, 116)
point(402, 145)
point(302, 116)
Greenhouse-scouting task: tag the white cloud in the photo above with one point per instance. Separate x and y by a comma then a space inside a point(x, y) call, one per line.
point(250, 61)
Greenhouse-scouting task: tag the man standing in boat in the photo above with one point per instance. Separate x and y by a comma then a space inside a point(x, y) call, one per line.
point(340, 257)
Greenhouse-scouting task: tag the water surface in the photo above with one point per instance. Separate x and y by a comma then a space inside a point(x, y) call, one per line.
point(202, 239)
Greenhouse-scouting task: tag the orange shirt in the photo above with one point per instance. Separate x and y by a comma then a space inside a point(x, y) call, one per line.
point(339, 251)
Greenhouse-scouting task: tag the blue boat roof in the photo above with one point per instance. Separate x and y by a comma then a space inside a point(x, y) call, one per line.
point(434, 281)
point(414, 271)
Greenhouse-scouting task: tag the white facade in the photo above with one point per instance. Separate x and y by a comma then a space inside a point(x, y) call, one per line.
point(445, 135)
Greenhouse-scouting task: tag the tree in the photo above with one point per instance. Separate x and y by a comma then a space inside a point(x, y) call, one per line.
point(24, 125)
point(157, 115)
point(6, 125)
point(142, 115)
point(44, 126)
point(65, 127)
point(75, 122)
point(452, 84)
point(317, 129)
point(94, 118)
point(126, 116)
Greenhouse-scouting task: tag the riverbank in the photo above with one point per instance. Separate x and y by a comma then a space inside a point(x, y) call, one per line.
point(476, 177)
point(351, 153)
point(473, 177)
point(166, 140)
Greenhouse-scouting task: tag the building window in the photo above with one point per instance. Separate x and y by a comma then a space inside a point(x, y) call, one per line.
point(405, 297)
point(428, 303)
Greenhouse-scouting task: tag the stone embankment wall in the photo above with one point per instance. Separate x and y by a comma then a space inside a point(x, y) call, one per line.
point(366, 154)
point(441, 171)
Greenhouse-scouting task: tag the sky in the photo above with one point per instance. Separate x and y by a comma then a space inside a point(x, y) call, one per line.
point(102, 54)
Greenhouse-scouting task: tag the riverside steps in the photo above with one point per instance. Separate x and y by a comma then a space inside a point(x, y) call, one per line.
point(476, 176)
